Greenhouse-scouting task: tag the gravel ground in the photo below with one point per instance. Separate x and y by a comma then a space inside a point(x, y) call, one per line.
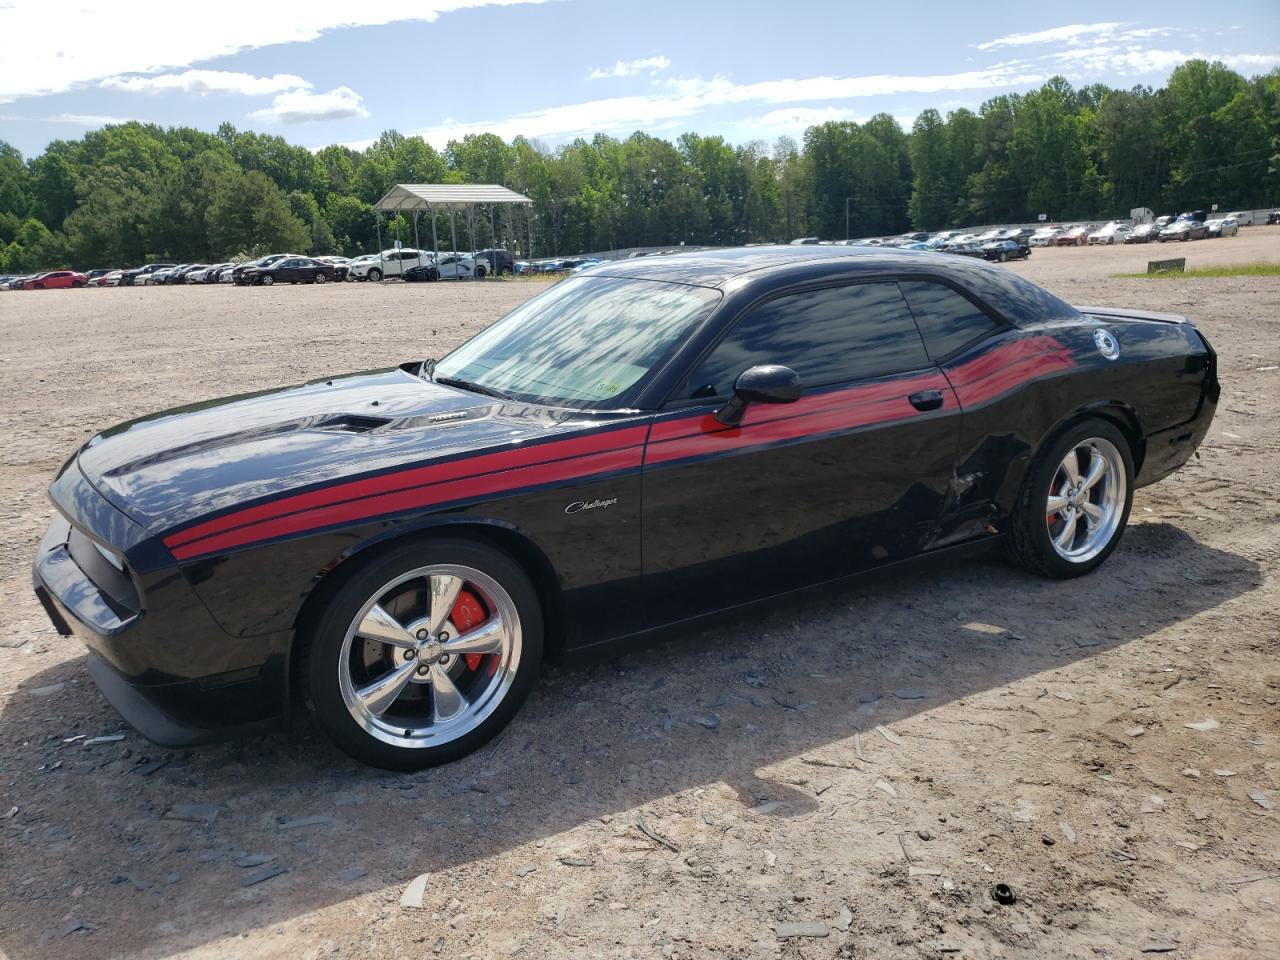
point(861, 768)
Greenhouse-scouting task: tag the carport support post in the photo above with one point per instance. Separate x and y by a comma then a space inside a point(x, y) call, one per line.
point(493, 225)
point(435, 244)
point(471, 234)
point(377, 220)
point(416, 245)
point(453, 231)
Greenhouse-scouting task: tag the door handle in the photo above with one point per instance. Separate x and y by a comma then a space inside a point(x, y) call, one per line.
point(926, 399)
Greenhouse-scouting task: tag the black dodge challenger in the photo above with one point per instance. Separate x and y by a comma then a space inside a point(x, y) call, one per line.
point(638, 447)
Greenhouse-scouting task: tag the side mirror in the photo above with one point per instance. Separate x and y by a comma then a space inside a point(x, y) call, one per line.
point(766, 383)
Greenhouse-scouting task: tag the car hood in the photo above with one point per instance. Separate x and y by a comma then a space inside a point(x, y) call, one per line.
point(174, 467)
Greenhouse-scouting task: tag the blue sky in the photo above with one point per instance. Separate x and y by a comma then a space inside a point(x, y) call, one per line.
point(326, 71)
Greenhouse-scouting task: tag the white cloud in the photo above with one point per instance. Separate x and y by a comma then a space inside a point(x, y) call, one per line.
point(686, 98)
point(629, 68)
point(1072, 33)
point(44, 52)
point(206, 81)
point(83, 119)
point(1138, 61)
point(794, 121)
point(1094, 50)
point(791, 119)
point(303, 106)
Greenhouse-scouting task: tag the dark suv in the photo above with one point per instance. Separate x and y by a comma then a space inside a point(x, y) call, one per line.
point(501, 263)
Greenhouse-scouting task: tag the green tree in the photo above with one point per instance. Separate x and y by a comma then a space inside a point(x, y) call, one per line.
point(249, 213)
point(930, 204)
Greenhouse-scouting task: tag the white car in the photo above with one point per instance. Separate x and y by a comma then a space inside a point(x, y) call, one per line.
point(389, 263)
point(1044, 237)
point(458, 266)
point(1223, 227)
point(1112, 233)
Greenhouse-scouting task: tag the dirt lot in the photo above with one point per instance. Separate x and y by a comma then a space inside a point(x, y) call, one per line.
point(872, 762)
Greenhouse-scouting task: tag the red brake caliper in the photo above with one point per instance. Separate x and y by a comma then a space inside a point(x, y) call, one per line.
point(467, 614)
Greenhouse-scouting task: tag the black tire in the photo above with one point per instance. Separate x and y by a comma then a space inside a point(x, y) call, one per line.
point(266, 280)
point(375, 275)
point(322, 645)
point(1028, 541)
point(320, 277)
point(480, 272)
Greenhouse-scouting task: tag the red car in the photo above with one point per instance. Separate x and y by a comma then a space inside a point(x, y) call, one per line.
point(55, 279)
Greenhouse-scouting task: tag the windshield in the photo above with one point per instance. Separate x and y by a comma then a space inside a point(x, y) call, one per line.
point(587, 342)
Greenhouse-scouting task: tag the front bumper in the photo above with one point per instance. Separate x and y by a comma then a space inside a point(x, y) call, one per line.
point(165, 666)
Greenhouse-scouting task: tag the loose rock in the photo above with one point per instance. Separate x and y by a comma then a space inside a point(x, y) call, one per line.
point(193, 813)
point(888, 735)
point(911, 693)
point(266, 873)
point(806, 928)
point(1204, 726)
point(411, 899)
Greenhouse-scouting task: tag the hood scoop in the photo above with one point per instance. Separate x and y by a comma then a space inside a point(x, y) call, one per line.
point(350, 423)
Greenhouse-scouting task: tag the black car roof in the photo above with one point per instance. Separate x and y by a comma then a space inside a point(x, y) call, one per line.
point(1019, 300)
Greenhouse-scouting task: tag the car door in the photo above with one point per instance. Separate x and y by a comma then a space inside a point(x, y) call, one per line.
point(988, 363)
point(851, 476)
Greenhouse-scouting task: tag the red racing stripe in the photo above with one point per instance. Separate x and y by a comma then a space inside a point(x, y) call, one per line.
point(400, 500)
point(821, 413)
point(1008, 366)
point(415, 477)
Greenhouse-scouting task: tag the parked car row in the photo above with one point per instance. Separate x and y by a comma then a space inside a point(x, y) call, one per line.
point(407, 263)
point(50, 280)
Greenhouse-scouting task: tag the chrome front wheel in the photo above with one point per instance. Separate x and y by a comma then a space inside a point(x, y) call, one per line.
point(424, 653)
point(430, 655)
point(1086, 500)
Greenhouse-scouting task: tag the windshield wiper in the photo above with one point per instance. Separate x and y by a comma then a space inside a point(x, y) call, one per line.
point(472, 386)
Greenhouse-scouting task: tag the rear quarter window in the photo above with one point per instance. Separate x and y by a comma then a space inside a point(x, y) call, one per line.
point(948, 320)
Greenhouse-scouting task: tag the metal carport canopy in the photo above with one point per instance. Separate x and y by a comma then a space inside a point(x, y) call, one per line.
point(445, 196)
point(433, 198)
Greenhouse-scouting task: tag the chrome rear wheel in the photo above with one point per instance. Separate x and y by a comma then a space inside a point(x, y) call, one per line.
point(1086, 500)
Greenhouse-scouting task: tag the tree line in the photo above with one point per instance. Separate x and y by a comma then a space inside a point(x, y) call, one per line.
point(133, 192)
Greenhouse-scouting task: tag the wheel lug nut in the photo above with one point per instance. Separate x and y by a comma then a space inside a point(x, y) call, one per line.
point(422, 634)
point(410, 654)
